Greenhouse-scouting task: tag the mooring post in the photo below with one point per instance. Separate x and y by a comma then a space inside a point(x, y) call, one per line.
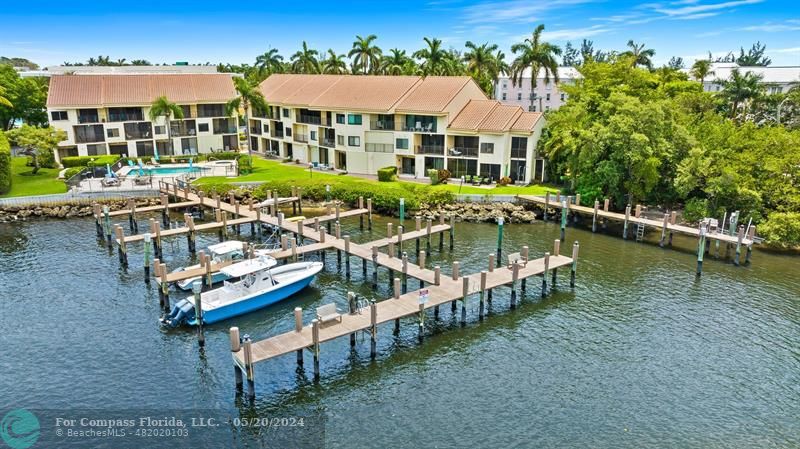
point(300, 236)
point(147, 239)
point(564, 211)
point(428, 226)
point(594, 215)
point(524, 256)
point(238, 226)
point(374, 267)
point(544, 274)
point(347, 256)
point(452, 230)
point(739, 239)
point(123, 249)
point(546, 204)
point(625, 223)
point(402, 211)
point(701, 248)
point(500, 222)
point(405, 271)
point(421, 327)
point(396, 290)
point(751, 234)
point(464, 294)
point(390, 250)
point(338, 229)
point(316, 224)
point(315, 339)
point(107, 224)
point(491, 270)
point(456, 267)
point(373, 319)
point(300, 200)
point(224, 225)
point(360, 215)
point(369, 214)
point(209, 275)
point(236, 345)
point(352, 307)
point(162, 270)
point(322, 235)
point(483, 294)
point(664, 226)
point(191, 235)
point(437, 275)
point(247, 346)
point(575, 247)
point(197, 288)
point(338, 211)
point(556, 252)
point(514, 279)
point(294, 201)
point(132, 215)
point(441, 234)
point(400, 239)
point(97, 212)
point(293, 244)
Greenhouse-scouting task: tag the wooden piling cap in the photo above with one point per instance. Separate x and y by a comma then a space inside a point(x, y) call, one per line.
point(234, 339)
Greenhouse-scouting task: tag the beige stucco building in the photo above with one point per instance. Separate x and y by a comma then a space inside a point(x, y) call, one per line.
point(109, 114)
point(363, 123)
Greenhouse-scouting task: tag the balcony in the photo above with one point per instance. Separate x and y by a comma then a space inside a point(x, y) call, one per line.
point(309, 119)
point(518, 153)
point(224, 126)
point(381, 125)
point(431, 149)
point(302, 138)
point(328, 142)
point(379, 147)
point(125, 115)
point(182, 128)
point(255, 130)
point(463, 152)
point(88, 118)
point(138, 130)
point(89, 133)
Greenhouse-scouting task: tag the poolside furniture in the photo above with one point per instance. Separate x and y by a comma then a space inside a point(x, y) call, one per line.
point(327, 313)
point(110, 182)
point(142, 180)
point(429, 128)
point(516, 258)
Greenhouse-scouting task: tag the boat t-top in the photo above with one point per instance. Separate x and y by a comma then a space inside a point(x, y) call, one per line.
point(231, 250)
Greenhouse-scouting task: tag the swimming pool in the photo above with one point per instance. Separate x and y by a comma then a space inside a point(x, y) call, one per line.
point(165, 171)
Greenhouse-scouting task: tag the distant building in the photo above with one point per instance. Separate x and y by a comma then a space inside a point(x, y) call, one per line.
point(778, 79)
point(108, 114)
point(121, 70)
point(546, 96)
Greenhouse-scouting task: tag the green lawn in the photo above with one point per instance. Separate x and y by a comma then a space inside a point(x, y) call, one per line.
point(25, 183)
point(264, 170)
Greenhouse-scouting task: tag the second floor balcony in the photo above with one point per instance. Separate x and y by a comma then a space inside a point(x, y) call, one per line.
point(382, 125)
point(224, 126)
point(302, 138)
point(329, 142)
point(88, 116)
point(379, 147)
point(310, 119)
point(463, 152)
point(431, 149)
point(138, 130)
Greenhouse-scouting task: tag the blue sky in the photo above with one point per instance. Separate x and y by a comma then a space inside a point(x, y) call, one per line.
point(214, 31)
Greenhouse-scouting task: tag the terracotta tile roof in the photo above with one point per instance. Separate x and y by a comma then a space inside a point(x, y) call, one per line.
point(122, 90)
point(368, 93)
point(493, 116)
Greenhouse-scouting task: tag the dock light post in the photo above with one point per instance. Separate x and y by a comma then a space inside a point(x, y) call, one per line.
point(701, 247)
point(500, 221)
point(402, 210)
point(563, 219)
point(197, 287)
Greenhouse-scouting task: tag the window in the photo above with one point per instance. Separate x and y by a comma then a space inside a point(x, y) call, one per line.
point(505, 85)
point(353, 119)
point(58, 115)
point(96, 149)
point(288, 132)
point(112, 132)
point(286, 112)
point(161, 129)
point(89, 133)
point(118, 149)
point(401, 144)
point(354, 141)
point(487, 148)
point(187, 111)
point(562, 97)
point(266, 128)
point(202, 127)
point(189, 145)
point(125, 114)
point(224, 126)
point(162, 146)
point(547, 97)
point(313, 135)
point(340, 118)
point(504, 95)
point(138, 130)
point(519, 96)
point(144, 148)
point(340, 139)
point(180, 128)
point(519, 147)
point(211, 110)
point(532, 108)
point(548, 85)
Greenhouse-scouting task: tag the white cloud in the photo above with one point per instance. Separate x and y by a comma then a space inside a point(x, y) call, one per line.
point(786, 50)
point(515, 11)
point(701, 15)
point(575, 33)
point(772, 27)
point(700, 8)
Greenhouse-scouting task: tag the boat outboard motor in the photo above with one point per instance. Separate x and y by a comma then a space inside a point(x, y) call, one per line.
point(182, 312)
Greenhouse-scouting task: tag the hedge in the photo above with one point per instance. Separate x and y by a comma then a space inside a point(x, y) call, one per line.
point(387, 174)
point(85, 161)
point(72, 171)
point(781, 230)
point(5, 165)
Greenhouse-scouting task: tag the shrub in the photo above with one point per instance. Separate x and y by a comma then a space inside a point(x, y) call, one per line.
point(88, 161)
point(444, 174)
point(5, 164)
point(433, 174)
point(504, 181)
point(224, 155)
point(781, 230)
point(387, 174)
point(245, 164)
point(72, 171)
point(695, 210)
point(219, 187)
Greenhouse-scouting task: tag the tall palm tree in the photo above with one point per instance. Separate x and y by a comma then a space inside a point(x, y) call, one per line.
point(433, 57)
point(140, 62)
point(641, 56)
point(481, 64)
point(269, 62)
point(305, 60)
point(365, 54)
point(535, 55)
point(248, 95)
point(334, 64)
point(162, 107)
point(393, 63)
point(701, 69)
point(120, 61)
point(739, 89)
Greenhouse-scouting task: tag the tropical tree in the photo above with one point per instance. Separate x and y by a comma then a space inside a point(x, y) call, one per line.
point(641, 56)
point(162, 107)
point(535, 55)
point(754, 56)
point(248, 96)
point(269, 62)
point(433, 57)
point(140, 62)
point(482, 65)
point(395, 62)
point(305, 60)
point(365, 54)
point(701, 69)
point(38, 143)
point(3, 100)
point(334, 64)
point(740, 88)
point(571, 57)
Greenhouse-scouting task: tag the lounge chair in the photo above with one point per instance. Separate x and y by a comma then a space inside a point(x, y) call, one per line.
point(109, 181)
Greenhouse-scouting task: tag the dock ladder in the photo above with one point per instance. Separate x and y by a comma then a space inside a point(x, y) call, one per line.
point(639, 232)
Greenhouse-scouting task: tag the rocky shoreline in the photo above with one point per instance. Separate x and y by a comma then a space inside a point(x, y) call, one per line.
point(469, 212)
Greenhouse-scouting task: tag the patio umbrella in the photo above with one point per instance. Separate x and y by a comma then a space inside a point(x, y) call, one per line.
point(155, 153)
point(108, 171)
point(141, 172)
point(190, 165)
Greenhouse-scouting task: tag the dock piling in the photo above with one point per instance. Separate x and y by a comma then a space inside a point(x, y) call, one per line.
point(575, 248)
point(514, 279)
point(546, 205)
point(197, 288)
point(544, 274)
point(464, 294)
point(147, 239)
point(236, 345)
point(97, 211)
point(107, 224)
point(405, 272)
point(664, 226)
point(500, 221)
point(369, 214)
point(524, 255)
point(483, 294)
point(374, 267)
point(162, 273)
point(594, 215)
point(556, 252)
point(428, 226)
point(248, 366)
point(625, 224)
point(347, 256)
point(452, 230)
point(739, 237)
point(361, 216)
point(701, 248)
point(123, 249)
point(437, 275)
point(441, 235)
point(315, 339)
point(191, 237)
point(564, 212)
point(373, 318)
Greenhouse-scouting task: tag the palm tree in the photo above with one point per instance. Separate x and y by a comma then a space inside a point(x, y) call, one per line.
point(162, 107)
point(739, 89)
point(140, 62)
point(433, 57)
point(535, 55)
point(701, 69)
point(334, 64)
point(305, 60)
point(481, 64)
point(270, 62)
point(640, 55)
point(393, 63)
point(120, 61)
point(248, 95)
point(365, 54)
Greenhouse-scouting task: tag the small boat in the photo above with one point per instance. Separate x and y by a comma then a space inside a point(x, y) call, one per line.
point(232, 250)
point(260, 286)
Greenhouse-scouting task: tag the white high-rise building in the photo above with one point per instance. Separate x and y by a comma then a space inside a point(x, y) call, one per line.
point(545, 95)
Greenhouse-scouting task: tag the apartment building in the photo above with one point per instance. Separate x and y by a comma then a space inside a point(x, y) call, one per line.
point(109, 114)
point(363, 123)
point(777, 79)
point(546, 95)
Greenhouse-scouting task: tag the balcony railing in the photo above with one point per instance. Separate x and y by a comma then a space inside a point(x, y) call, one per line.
point(125, 117)
point(431, 149)
point(422, 128)
point(381, 125)
point(224, 126)
point(303, 138)
point(138, 130)
point(310, 119)
point(518, 153)
point(183, 128)
point(88, 119)
point(326, 142)
point(255, 130)
point(463, 152)
point(379, 147)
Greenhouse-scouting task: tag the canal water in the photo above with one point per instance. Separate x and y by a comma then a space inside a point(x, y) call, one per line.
point(640, 353)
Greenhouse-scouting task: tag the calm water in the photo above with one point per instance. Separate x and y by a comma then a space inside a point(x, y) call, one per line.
point(640, 353)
